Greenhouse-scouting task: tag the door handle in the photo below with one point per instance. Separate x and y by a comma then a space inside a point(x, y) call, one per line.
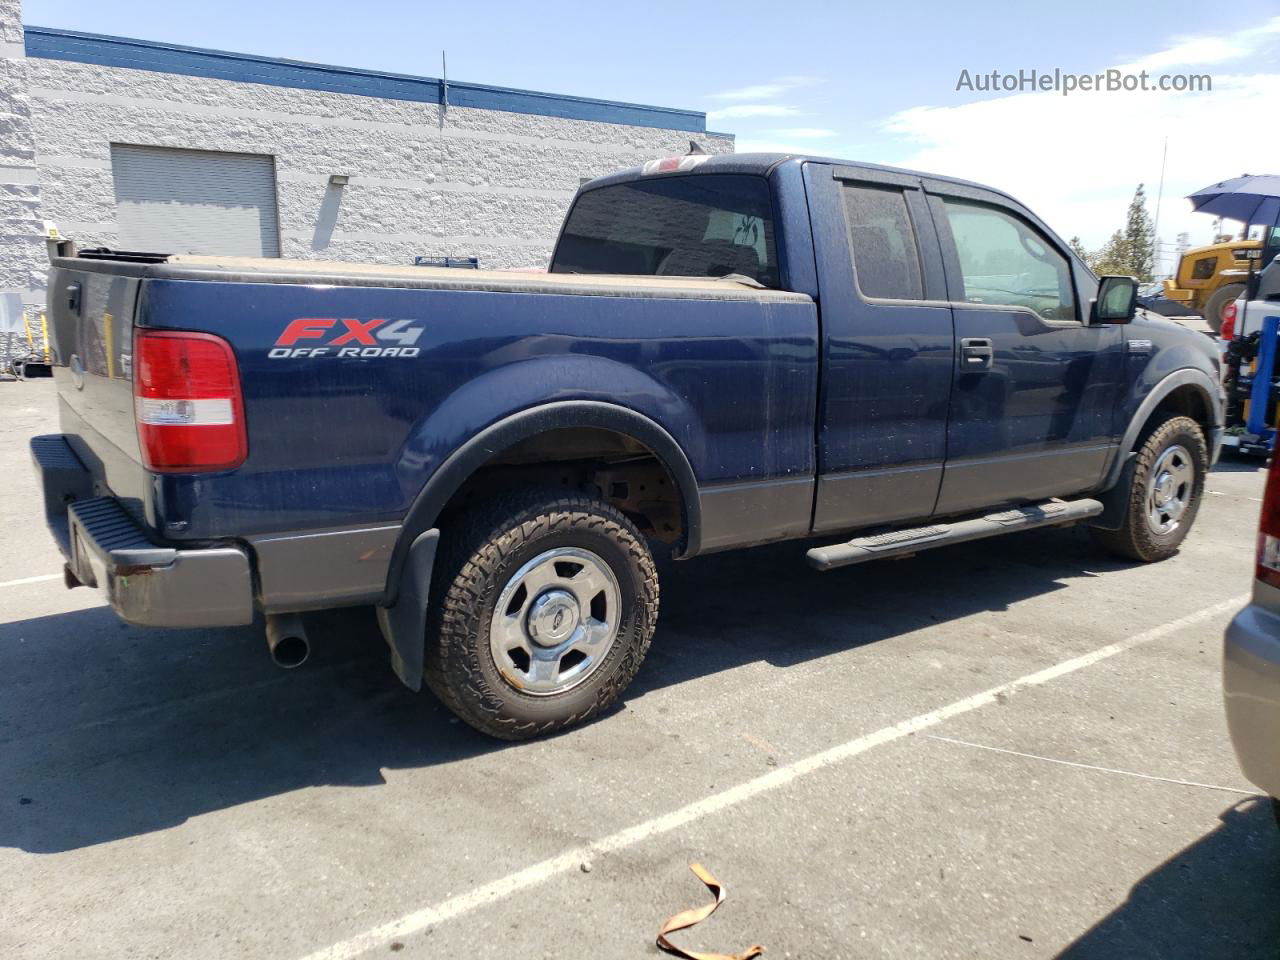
point(976, 353)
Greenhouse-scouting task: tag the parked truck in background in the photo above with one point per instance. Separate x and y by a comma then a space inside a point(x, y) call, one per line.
point(1246, 314)
point(727, 351)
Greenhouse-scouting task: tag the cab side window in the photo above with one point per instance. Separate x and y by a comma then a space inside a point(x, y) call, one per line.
point(886, 260)
point(1005, 261)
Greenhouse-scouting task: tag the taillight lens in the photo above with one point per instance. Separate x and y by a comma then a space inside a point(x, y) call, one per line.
point(1268, 569)
point(1228, 329)
point(187, 402)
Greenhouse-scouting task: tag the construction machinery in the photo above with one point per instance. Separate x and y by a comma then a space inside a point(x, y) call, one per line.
point(1209, 278)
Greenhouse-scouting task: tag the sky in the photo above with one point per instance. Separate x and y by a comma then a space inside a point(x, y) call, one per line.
point(860, 81)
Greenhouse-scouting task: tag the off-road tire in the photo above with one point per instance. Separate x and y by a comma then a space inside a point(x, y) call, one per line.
point(1217, 301)
point(1135, 540)
point(482, 551)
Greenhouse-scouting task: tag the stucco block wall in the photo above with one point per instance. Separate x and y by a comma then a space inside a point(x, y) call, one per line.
point(485, 183)
point(22, 247)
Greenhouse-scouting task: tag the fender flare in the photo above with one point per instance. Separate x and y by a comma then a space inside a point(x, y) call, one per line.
point(1156, 396)
point(1121, 467)
point(404, 623)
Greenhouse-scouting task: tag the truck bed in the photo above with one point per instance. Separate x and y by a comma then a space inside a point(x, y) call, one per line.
point(342, 440)
point(336, 273)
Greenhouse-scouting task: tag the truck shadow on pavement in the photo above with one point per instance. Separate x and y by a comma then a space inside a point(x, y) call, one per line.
point(1217, 898)
point(110, 731)
point(1232, 462)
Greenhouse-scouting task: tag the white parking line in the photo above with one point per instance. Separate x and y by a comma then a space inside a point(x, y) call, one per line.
point(1093, 767)
point(531, 876)
point(41, 579)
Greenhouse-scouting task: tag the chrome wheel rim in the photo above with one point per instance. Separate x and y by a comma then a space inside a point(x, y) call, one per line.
point(555, 621)
point(1169, 490)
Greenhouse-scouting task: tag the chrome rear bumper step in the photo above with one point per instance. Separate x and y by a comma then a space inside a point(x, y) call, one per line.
point(146, 583)
point(897, 543)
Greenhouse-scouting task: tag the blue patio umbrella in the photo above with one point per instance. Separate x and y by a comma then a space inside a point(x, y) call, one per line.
point(1249, 199)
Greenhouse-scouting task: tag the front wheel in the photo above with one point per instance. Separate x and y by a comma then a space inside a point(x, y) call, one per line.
point(1164, 493)
point(548, 604)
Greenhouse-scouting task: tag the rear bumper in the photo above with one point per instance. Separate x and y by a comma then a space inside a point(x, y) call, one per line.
point(145, 583)
point(1251, 685)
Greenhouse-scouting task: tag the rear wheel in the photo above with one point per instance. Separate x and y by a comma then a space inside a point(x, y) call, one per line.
point(1164, 493)
point(1218, 301)
point(548, 605)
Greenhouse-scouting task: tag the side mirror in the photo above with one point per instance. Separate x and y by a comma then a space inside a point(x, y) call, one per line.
point(1117, 300)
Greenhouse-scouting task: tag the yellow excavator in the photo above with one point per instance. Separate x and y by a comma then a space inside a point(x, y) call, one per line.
point(1211, 277)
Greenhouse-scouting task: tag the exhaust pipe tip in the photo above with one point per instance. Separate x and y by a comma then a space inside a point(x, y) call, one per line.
point(290, 652)
point(287, 640)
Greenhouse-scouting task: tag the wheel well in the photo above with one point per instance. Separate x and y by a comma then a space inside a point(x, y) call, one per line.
point(607, 463)
point(1187, 401)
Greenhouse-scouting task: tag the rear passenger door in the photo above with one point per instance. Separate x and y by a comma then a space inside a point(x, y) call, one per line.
point(888, 348)
point(1035, 385)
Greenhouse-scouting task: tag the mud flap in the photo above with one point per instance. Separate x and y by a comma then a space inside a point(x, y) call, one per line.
point(1115, 502)
point(404, 625)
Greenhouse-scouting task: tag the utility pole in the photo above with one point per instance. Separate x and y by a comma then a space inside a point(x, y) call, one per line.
point(1155, 225)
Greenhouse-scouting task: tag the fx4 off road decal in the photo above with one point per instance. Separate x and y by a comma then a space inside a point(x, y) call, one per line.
point(347, 337)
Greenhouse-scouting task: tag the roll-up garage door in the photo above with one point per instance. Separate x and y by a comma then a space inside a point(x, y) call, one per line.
point(195, 201)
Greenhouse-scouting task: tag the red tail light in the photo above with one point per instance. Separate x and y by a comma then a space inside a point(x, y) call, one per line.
point(1228, 330)
point(187, 402)
point(1268, 570)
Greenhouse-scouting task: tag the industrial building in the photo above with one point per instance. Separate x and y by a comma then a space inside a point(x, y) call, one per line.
point(152, 146)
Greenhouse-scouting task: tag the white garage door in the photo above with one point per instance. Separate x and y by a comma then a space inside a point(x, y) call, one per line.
point(195, 201)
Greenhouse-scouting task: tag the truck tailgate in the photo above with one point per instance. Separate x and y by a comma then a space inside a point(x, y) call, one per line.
point(91, 314)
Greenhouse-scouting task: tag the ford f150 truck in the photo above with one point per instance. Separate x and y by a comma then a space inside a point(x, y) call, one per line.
point(726, 351)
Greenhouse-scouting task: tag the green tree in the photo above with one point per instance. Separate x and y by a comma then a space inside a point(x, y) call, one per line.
point(1129, 251)
point(1112, 258)
point(1139, 236)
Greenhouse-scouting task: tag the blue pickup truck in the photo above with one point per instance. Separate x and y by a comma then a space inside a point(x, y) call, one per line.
point(726, 351)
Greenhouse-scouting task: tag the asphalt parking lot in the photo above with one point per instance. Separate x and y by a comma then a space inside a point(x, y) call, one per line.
point(1012, 748)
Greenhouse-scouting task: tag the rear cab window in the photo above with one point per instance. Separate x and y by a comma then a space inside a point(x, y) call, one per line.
point(702, 225)
point(886, 258)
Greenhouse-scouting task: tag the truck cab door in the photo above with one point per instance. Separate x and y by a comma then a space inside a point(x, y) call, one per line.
point(887, 350)
point(1035, 386)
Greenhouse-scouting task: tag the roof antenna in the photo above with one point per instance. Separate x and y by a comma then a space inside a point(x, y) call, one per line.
point(695, 149)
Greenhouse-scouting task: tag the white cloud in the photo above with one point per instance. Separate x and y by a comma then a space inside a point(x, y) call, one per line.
point(1076, 160)
point(740, 110)
point(1206, 49)
point(765, 91)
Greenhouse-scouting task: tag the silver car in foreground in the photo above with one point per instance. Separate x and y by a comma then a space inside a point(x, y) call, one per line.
point(1251, 664)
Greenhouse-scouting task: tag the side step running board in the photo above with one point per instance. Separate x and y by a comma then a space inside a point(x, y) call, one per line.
point(896, 543)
